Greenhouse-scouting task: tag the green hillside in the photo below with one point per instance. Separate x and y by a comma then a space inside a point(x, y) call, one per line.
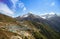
point(5, 18)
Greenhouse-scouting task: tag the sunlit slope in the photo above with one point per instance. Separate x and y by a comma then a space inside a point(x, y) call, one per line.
point(42, 28)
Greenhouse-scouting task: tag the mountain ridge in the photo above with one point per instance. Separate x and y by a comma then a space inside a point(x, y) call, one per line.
point(30, 27)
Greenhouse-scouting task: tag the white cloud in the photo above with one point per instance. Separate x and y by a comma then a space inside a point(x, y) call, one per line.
point(21, 5)
point(5, 9)
point(53, 3)
point(14, 3)
point(24, 9)
point(52, 13)
point(44, 13)
point(18, 3)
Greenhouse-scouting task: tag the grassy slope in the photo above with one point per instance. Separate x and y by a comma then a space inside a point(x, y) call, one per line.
point(47, 31)
point(42, 31)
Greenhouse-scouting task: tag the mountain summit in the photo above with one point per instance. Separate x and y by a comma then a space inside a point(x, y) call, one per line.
point(29, 16)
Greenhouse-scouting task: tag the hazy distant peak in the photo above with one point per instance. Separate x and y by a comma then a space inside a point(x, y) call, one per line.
point(49, 15)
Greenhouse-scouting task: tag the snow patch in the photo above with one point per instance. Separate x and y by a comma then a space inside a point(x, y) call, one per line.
point(25, 16)
point(48, 15)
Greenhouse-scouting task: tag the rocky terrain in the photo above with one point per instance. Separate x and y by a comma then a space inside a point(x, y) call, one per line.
point(27, 27)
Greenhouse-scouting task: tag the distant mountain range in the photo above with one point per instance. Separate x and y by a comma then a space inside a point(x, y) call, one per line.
point(49, 15)
point(30, 26)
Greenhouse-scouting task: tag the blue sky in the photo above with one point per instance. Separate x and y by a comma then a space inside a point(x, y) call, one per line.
point(19, 7)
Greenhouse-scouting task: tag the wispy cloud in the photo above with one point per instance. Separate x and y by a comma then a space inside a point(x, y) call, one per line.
point(21, 5)
point(24, 8)
point(53, 3)
point(5, 9)
point(14, 3)
point(18, 3)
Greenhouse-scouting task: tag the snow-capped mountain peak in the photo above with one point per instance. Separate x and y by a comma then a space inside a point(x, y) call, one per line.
point(26, 15)
point(30, 15)
point(49, 15)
